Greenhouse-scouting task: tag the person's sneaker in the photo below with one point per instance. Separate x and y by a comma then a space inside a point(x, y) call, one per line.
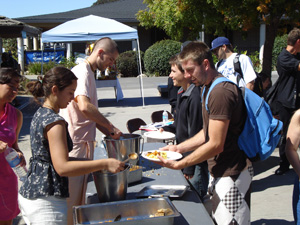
point(281, 170)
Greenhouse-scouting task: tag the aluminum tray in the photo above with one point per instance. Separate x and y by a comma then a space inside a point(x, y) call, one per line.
point(135, 174)
point(173, 191)
point(136, 211)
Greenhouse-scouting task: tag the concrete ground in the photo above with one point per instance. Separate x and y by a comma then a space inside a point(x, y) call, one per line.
point(271, 196)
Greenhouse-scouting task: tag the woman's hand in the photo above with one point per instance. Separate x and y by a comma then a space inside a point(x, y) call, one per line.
point(3, 146)
point(114, 165)
point(21, 155)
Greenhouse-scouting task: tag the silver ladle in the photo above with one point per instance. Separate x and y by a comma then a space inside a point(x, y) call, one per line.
point(131, 156)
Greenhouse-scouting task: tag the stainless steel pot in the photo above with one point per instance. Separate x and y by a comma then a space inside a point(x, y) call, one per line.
point(120, 149)
point(111, 186)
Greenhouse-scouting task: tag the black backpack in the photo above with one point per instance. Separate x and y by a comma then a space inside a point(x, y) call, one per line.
point(258, 86)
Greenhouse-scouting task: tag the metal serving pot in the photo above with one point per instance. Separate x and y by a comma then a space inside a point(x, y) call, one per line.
point(111, 186)
point(120, 149)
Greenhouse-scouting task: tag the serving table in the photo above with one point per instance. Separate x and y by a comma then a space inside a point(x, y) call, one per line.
point(111, 83)
point(189, 205)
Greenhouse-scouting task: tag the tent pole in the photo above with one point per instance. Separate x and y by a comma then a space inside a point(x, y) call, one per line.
point(42, 45)
point(141, 72)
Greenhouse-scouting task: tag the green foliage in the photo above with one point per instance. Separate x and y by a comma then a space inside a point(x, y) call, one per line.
point(23, 84)
point(183, 19)
point(279, 43)
point(68, 63)
point(157, 57)
point(10, 44)
point(36, 68)
point(254, 56)
point(127, 63)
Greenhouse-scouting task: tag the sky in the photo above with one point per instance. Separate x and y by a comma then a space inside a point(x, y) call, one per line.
point(22, 8)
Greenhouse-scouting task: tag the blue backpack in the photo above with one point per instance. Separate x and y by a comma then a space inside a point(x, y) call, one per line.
point(261, 132)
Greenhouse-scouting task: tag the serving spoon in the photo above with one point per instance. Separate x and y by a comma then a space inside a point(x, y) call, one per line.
point(131, 156)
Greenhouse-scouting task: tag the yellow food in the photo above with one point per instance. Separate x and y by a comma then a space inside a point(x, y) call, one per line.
point(162, 212)
point(153, 155)
point(134, 167)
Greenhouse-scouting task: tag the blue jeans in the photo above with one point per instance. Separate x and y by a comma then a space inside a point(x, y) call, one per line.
point(200, 179)
point(296, 202)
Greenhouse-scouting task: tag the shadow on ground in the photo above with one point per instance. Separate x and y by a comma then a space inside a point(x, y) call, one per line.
point(262, 166)
point(272, 180)
point(271, 222)
point(132, 102)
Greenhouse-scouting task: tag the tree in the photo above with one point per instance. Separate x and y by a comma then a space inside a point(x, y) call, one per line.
point(184, 19)
point(10, 44)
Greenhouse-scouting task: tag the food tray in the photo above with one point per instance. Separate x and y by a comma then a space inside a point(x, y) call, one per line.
point(136, 211)
point(173, 191)
point(135, 174)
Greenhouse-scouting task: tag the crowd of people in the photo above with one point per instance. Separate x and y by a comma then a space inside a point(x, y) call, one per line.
point(63, 131)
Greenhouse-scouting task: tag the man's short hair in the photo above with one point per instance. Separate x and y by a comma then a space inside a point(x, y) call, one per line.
point(107, 44)
point(293, 36)
point(196, 51)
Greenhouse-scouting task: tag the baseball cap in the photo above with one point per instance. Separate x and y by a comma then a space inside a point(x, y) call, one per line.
point(219, 41)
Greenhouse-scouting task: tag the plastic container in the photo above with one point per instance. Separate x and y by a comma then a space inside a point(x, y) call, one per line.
point(165, 116)
point(14, 161)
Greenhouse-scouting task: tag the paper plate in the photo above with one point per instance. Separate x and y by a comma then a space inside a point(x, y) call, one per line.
point(170, 155)
point(159, 135)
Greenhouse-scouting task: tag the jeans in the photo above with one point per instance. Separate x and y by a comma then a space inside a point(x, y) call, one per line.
point(296, 202)
point(200, 179)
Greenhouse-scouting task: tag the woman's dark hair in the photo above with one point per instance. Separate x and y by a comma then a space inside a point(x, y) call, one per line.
point(7, 74)
point(59, 76)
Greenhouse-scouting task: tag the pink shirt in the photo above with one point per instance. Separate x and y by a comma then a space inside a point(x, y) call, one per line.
point(80, 128)
point(8, 180)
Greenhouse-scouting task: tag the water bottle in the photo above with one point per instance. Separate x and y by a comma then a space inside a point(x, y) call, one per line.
point(14, 161)
point(165, 116)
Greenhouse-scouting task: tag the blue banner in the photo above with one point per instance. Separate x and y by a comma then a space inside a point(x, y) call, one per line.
point(36, 56)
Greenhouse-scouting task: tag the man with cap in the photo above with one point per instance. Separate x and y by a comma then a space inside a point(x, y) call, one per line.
point(223, 49)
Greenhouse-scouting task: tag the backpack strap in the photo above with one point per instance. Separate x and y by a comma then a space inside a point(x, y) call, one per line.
point(218, 63)
point(237, 68)
point(217, 81)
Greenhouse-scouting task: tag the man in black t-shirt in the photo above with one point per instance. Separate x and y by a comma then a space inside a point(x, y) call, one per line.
point(288, 68)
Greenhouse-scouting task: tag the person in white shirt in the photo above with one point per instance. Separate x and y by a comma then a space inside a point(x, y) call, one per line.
point(223, 49)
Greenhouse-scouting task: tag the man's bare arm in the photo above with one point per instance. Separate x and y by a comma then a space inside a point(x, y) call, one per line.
point(91, 112)
point(217, 133)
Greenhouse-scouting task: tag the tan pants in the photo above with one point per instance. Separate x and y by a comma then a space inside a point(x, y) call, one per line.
point(77, 185)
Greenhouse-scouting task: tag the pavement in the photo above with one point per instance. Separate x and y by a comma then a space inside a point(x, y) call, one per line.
point(271, 199)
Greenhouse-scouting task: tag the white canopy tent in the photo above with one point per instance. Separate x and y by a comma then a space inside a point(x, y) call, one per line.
point(92, 28)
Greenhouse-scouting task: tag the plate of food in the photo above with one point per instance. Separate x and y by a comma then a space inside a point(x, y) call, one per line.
point(152, 155)
point(159, 135)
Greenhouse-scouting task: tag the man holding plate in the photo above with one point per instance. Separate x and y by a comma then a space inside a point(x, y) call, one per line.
point(231, 172)
point(188, 122)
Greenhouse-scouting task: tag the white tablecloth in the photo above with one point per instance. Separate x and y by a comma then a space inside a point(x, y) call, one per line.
point(111, 83)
